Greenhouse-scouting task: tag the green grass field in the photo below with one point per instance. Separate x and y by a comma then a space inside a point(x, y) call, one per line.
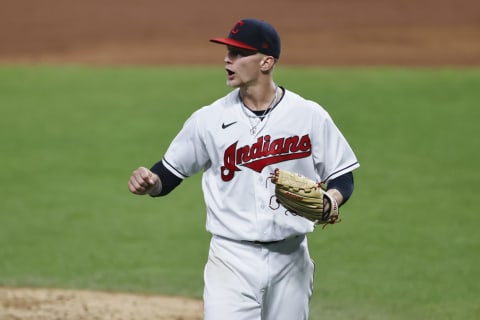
point(408, 246)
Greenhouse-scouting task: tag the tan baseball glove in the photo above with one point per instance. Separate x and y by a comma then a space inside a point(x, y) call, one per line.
point(304, 197)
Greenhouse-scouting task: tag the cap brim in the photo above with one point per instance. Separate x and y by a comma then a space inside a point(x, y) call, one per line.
point(233, 43)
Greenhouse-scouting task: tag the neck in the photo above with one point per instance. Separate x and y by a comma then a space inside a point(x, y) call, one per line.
point(259, 98)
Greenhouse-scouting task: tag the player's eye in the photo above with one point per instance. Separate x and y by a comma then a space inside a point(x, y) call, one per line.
point(238, 52)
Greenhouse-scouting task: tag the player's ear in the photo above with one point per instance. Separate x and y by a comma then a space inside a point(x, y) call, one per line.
point(267, 63)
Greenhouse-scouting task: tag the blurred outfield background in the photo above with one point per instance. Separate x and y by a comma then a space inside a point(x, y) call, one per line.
point(90, 90)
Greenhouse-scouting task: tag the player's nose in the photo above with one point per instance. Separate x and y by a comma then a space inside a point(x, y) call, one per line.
point(230, 56)
point(227, 58)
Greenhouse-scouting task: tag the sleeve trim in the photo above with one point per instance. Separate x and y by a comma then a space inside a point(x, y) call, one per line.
point(342, 171)
point(173, 170)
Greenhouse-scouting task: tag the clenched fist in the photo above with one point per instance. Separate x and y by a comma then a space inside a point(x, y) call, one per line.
point(143, 181)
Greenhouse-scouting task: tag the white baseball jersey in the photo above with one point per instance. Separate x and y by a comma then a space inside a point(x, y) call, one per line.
point(297, 135)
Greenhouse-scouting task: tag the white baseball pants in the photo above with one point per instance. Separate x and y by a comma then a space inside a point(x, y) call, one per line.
point(249, 281)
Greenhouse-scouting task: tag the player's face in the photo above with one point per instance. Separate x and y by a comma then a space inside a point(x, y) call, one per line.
point(242, 66)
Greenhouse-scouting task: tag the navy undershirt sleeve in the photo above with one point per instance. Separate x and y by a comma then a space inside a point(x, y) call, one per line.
point(168, 179)
point(344, 184)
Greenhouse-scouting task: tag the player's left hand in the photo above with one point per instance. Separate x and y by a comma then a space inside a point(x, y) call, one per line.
point(305, 197)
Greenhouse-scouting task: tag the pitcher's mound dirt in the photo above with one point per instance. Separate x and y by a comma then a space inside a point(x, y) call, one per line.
point(56, 304)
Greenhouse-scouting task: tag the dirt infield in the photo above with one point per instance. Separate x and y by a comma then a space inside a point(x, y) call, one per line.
point(321, 32)
point(55, 304)
point(152, 32)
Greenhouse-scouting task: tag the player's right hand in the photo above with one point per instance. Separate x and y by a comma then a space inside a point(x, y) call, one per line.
point(143, 181)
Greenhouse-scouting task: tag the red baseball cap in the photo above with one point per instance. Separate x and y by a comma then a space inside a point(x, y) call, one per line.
point(253, 34)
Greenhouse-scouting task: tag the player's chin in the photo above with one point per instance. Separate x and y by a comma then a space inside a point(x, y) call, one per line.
point(232, 79)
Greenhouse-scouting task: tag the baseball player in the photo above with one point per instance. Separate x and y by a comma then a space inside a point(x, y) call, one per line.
point(258, 265)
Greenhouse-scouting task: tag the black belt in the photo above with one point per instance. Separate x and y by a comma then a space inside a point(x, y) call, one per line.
point(266, 243)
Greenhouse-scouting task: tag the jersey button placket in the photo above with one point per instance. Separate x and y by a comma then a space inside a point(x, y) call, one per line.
point(261, 199)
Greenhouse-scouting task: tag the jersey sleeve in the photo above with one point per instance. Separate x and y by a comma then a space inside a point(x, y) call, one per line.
point(187, 154)
point(333, 155)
